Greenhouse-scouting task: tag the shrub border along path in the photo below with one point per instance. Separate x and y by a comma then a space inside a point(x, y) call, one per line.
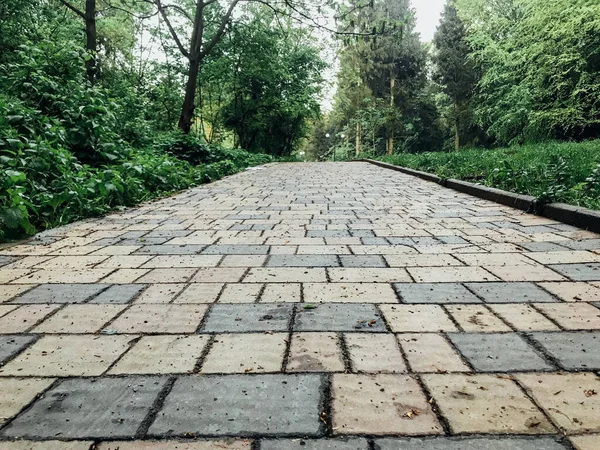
point(578, 216)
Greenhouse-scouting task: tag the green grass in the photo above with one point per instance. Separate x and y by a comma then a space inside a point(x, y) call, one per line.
point(551, 172)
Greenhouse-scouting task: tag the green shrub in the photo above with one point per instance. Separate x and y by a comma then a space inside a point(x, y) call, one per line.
point(551, 172)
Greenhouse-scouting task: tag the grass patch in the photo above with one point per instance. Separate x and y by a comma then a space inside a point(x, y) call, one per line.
point(551, 172)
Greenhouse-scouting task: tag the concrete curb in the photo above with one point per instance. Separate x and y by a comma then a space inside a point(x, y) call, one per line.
point(584, 218)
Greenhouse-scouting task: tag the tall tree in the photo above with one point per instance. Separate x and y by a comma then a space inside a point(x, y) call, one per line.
point(454, 69)
point(88, 14)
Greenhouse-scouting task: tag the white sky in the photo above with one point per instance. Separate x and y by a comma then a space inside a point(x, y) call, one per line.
point(428, 16)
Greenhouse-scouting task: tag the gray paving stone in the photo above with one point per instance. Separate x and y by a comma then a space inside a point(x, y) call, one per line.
point(374, 241)
point(339, 317)
point(579, 272)
point(573, 350)
point(10, 345)
point(143, 241)
point(362, 261)
point(119, 293)
point(170, 249)
point(168, 233)
point(542, 247)
point(510, 292)
point(498, 352)
point(315, 444)
point(362, 233)
point(264, 405)
point(492, 443)
point(89, 408)
point(4, 260)
point(236, 250)
point(586, 244)
point(435, 293)
point(248, 317)
point(302, 261)
point(60, 293)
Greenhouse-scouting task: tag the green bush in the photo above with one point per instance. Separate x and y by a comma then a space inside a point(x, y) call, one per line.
point(552, 171)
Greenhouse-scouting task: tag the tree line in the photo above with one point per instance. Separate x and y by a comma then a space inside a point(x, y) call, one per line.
point(498, 72)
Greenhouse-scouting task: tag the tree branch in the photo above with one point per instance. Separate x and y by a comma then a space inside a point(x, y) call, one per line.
point(165, 17)
point(72, 8)
point(207, 49)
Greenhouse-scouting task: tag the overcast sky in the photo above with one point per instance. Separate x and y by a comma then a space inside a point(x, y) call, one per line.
point(428, 16)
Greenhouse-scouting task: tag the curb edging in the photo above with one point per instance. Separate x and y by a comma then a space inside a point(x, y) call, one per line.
point(584, 218)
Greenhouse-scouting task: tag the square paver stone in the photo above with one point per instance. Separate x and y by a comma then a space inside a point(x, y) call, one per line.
point(80, 355)
point(89, 408)
point(339, 317)
point(46, 445)
point(119, 294)
point(12, 344)
point(493, 443)
point(349, 293)
point(381, 404)
point(417, 318)
point(159, 319)
point(498, 352)
point(316, 444)
point(435, 293)
point(61, 293)
point(485, 404)
point(362, 261)
point(302, 261)
point(15, 393)
point(579, 272)
point(248, 317)
point(570, 399)
point(263, 405)
point(572, 350)
point(226, 444)
point(519, 292)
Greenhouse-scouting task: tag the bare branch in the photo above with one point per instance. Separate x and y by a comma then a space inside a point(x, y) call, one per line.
point(72, 8)
point(165, 17)
point(181, 11)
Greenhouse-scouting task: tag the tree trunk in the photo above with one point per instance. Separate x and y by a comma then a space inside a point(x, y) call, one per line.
point(456, 128)
point(91, 39)
point(390, 143)
point(358, 138)
point(187, 110)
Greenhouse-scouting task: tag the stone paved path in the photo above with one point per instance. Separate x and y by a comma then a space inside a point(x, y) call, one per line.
point(313, 306)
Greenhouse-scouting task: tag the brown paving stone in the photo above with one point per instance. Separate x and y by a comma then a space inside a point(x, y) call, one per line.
point(179, 275)
point(281, 293)
point(476, 318)
point(159, 319)
point(16, 393)
point(243, 261)
point(571, 400)
point(370, 352)
point(200, 293)
point(349, 293)
point(24, 317)
point(380, 404)
point(72, 262)
point(417, 318)
point(79, 319)
point(160, 293)
point(9, 292)
point(63, 276)
point(125, 276)
point(572, 316)
point(177, 261)
point(568, 257)
point(58, 356)
point(428, 352)
point(422, 260)
point(240, 293)
point(525, 273)
point(356, 275)
point(246, 353)
point(586, 442)
point(573, 291)
point(219, 275)
point(315, 352)
point(450, 274)
point(124, 262)
point(161, 354)
point(523, 317)
point(485, 404)
point(285, 275)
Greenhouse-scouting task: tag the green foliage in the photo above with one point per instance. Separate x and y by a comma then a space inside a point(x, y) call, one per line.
point(552, 172)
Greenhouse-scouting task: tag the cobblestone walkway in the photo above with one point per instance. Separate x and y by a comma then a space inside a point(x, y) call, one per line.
point(309, 306)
